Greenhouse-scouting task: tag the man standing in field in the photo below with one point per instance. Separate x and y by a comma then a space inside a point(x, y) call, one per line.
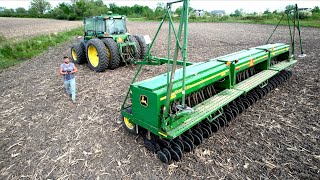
point(67, 70)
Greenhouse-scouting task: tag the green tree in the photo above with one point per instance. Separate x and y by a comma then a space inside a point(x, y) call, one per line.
point(290, 6)
point(267, 11)
point(316, 9)
point(160, 9)
point(7, 12)
point(21, 10)
point(147, 12)
point(98, 3)
point(237, 13)
point(79, 7)
point(58, 13)
point(178, 11)
point(94, 8)
point(65, 7)
point(113, 7)
point(39, 7)
point(62, 11)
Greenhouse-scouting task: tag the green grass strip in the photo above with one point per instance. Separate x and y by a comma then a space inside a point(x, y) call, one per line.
point(14, 52)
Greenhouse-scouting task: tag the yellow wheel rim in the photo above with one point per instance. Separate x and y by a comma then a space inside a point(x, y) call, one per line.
point(93, 56)
point(127, 123)
point(74, 54)
point(109, 53)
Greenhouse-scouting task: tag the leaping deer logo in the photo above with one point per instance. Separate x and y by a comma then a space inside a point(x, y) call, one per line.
point(144, 100)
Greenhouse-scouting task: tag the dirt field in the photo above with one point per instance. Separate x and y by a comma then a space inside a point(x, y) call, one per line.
point(44, 136)
point(26, 27)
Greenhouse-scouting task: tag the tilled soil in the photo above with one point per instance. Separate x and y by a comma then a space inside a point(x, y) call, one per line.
point(21, 28)
point(43, 135)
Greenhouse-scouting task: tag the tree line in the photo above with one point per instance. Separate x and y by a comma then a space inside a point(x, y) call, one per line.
point(303, 14)
point(77, 9)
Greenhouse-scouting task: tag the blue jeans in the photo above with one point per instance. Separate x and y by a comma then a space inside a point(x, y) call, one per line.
point(70, 86)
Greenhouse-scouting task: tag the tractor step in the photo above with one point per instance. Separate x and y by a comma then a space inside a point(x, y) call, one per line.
point(205, 109)
point(255, 80)
point(283, 65)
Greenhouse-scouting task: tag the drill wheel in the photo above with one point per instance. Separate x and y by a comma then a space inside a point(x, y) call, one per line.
point(214, 126)
point(240, 106)
point(197, 138)
point(187, 143)
point(205, 131)
point(179, 143)
point(162, 156)
point(167, 153)
point(176, 153)
point(207, 126)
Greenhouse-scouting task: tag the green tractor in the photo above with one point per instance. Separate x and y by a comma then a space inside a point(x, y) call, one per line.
point(107, 43)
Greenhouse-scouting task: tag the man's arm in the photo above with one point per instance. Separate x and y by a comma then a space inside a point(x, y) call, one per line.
point(61, 72)
point(75, 69)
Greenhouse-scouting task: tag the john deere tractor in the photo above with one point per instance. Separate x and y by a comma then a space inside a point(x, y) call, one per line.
point(107, 43)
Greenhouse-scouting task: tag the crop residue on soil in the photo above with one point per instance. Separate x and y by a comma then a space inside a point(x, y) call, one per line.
point(44, 136)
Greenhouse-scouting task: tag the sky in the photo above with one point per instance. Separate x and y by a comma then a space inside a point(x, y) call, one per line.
point(229, 6)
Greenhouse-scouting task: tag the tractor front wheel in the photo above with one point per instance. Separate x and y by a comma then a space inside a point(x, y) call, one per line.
point(113, 53)
point(78, 54)
point(97, 55)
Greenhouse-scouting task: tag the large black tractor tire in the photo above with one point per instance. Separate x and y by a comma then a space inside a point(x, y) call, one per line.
point(78, 53)
point(143, 46)
point(97, 55)
point(137, 54)
point(113, 53)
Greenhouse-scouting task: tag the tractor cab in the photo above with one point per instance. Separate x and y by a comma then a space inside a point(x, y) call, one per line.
point(116, 25)
point(104, 26)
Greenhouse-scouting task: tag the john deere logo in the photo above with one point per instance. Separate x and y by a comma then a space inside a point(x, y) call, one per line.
point(144, 100)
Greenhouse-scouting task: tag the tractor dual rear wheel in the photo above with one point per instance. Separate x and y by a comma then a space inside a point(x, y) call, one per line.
point(143, 46)
point(78, 54)
point(137, 53)
point(113, 53)
point(97, 55)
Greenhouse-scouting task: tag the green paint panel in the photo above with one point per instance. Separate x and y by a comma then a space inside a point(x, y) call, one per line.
point(196, 82)
point(221, 57)
point(283, 65)
point(192, 72)
point(148, 113)
point(269, 46)
point(243, 54)
point(255, 80)
point(203, 110)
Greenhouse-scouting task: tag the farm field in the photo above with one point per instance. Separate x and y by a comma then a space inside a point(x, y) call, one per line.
point(22, 28)
point(44, 136)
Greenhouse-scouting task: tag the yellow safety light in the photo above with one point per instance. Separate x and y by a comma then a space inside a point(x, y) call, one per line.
point(119, 40)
